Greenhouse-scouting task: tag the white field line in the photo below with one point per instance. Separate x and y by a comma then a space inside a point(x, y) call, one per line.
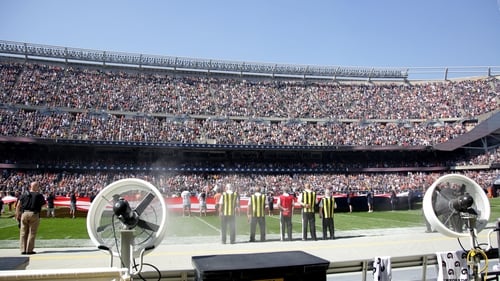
point(211, 226)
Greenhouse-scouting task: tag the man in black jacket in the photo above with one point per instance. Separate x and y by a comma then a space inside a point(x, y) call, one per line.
point(28, 212)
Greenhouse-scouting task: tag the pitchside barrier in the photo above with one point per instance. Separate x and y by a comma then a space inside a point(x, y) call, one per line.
point(364, 267)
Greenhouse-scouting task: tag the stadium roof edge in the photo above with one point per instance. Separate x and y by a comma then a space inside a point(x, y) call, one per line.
point(28, 50)
point(484, 136)
point(67, 54)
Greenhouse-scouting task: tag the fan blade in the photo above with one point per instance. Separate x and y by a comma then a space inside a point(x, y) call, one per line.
point(102, 227)
point(144, 203)
point(448, 194)
point(442, 201)
point(105, 214)
point(148, 225)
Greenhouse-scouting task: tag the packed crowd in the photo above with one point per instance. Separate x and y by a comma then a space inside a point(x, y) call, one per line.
point(84, 184)
point(89, 126)
point(91, 103)
point(156, 92)
point(81, 103)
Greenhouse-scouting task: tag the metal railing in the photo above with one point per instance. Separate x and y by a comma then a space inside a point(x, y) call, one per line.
point(67, 54)
point(203, 65)
point(365, 267)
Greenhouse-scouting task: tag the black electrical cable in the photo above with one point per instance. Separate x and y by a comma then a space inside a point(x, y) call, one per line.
point(148, 264)
point(460, 243)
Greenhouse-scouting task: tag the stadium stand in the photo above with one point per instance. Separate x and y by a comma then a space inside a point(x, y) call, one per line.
point(78, 125)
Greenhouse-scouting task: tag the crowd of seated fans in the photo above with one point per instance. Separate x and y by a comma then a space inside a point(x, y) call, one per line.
point(96, 93)
point(84, 183)
point(68, 86)
point(54, 90)
point(92, 103)
point(90, 126)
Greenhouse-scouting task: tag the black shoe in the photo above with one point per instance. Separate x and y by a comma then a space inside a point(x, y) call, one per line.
point(31, 253)
point(23, 253)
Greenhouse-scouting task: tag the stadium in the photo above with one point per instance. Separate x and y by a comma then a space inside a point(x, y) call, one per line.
point(78, 120)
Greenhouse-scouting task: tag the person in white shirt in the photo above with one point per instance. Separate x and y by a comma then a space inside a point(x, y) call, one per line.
point(186, 203)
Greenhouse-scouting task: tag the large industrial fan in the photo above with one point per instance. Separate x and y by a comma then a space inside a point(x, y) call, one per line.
point(128, 219)
point(456, 206)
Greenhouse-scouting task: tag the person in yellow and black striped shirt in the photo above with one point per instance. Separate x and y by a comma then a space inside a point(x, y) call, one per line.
point(256, 214)
point(327, 206)
point(227, 209)
point(308, 201)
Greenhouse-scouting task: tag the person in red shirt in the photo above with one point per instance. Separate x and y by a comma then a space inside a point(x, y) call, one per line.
point(286, 203)
point(217, 196)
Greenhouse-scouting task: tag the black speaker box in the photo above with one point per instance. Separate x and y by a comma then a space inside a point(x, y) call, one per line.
point(275, 266)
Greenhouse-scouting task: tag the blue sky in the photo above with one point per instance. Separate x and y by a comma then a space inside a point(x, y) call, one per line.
point(395, 33)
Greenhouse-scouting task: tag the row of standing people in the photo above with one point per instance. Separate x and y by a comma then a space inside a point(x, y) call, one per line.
point(228, 202)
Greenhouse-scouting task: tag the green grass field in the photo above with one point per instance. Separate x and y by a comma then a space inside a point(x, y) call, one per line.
point(63, 227)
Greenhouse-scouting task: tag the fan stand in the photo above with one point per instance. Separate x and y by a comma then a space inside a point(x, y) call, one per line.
point(476, 259)
point(127, 239)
